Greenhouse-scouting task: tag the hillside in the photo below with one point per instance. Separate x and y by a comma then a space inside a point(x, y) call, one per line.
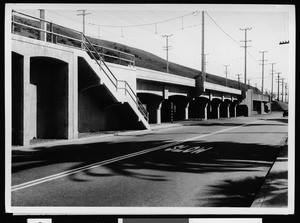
point(279, 106)
point(142, 58)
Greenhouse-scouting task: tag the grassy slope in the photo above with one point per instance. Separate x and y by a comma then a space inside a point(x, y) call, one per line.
point(279, 106)
point(142, 58)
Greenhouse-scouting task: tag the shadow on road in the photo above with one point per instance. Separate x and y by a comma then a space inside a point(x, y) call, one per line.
point(225, 157)
point(215, 157)
point(233, 193)
point(277, 190)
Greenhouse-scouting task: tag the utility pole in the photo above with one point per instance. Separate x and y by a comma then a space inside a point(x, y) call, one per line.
point(245, 46)
point(272, 64)
point(202, 51)
point(201, 78)
point(226, 65)
point(278, 77)
point(239, 80)
point(282, 83)
point(167, 48)
point(263, 68)
point(205, 62)
point(83, 19)
point(285, 93)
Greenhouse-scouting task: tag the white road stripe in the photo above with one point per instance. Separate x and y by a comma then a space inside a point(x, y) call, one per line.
point(101, 163)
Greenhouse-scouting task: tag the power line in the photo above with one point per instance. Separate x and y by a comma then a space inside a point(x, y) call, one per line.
point(230, 36)
point(161, 31)
point(66, 17)
point(222, 29)
point(145, 24)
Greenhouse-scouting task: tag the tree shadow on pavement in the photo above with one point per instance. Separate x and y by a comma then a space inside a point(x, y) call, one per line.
point(217, 157)
point(232, 193)
point(277, 190)
point(223, 156)
point(83, 153)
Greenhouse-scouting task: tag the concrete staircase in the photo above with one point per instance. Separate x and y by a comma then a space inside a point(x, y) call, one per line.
point(120, 89)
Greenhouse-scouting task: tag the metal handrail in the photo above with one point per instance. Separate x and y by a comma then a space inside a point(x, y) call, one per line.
point(128, 88)
point(131, 61)
point(101, 60)
point(117, 51)
point(85, 45)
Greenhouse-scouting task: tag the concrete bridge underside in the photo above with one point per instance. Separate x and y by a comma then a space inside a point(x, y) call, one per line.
point(178, 107)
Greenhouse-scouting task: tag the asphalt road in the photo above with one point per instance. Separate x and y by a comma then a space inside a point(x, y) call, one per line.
point(214, 163)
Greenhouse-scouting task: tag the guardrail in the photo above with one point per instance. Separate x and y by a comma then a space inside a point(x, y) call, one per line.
point(58, 34)
point(83, 42)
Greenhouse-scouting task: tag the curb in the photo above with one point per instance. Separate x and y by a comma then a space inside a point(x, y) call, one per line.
point(91, 138)
point(264, 195)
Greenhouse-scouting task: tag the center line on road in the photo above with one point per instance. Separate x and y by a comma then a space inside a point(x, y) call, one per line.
point(116, 159)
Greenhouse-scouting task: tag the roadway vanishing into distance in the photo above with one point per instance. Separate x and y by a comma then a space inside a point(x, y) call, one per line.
point(213, 163)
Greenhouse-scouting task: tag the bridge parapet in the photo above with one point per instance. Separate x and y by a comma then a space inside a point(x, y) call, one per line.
point(220, 88)
point(261, 97)
point(157, 76)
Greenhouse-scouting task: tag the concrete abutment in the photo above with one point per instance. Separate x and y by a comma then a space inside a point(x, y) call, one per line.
point(58, 92)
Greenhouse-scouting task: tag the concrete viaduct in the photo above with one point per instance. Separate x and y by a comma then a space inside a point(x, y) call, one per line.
point(60, 91)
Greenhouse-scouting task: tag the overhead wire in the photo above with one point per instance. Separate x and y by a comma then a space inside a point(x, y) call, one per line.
point(155, 24)
point(151, 32)
point(74, 20)
point(144, 24)
point(252, 57)
point(222, 29)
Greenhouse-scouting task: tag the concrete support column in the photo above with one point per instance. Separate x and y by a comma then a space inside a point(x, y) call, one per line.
point(26, 102)
point(187, 109)
point(218, 110)
point(205, 111)
point(228, 110)
point(73, 99)
point(186, 115)
point(234, 110)
point(209, 109)
point(158, 113)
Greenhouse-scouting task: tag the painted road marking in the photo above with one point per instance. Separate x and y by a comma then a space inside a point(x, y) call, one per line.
point(116, 159)
point(186, 149)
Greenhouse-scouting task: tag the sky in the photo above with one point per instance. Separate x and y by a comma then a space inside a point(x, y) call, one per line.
point(143, 26)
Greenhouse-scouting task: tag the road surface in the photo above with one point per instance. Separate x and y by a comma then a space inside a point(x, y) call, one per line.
point(213, 163)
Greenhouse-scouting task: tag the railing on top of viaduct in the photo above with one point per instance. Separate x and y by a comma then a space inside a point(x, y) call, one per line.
point(85, 44)
point(58, 34)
